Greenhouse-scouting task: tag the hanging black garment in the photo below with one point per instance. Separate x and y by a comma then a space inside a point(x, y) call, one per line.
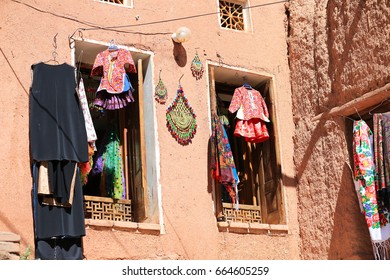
point(57, 127)
point(58, 137)
point(54, 221)
point(59, 249)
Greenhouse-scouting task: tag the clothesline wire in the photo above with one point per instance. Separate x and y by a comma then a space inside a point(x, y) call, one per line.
point(191, 17)
point(93, 26)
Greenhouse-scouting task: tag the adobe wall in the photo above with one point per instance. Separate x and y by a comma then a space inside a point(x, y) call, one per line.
point(27, 30)
point(338, 51)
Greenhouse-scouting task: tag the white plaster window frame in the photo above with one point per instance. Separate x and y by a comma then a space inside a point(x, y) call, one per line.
point(281, 229)
point(154, 159)
point(247, 16)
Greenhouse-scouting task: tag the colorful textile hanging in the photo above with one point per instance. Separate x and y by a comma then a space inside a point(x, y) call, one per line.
point(113, 167)
point(382, 175)
point(222, 162)
point(197, 68)
point(181, 119)
point(365, 178)
point(161, 92)
point(86, 167)
point(386, 146)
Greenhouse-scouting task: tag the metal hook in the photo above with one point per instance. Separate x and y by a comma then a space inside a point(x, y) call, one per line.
point(180, 79)
point(54, 53)
point(55, 41)
point(72, 40)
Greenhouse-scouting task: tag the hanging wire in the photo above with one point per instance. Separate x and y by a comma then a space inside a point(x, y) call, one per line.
point(379, 105)
point(357, 112)
point(93, 26)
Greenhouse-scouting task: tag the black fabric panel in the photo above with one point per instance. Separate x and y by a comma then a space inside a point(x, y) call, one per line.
point(52, 221)
point(59, 249)
point(57, 127)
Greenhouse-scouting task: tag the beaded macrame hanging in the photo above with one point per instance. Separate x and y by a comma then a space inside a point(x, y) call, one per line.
point(197, 67)
point(181, 119)
point(160, 93)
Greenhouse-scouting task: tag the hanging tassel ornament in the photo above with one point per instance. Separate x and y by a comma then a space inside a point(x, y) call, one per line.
point(181, 119)
point(160, 93)
point(197, 67)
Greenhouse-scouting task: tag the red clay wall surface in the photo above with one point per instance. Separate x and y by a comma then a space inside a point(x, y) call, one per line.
point(338, 51)
point(27, 29)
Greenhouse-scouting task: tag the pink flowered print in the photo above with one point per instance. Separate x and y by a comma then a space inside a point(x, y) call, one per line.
point(111, 65)
point(364, 172)
point(252, 103)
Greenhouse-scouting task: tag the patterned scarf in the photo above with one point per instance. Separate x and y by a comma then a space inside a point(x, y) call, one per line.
point(222, 161)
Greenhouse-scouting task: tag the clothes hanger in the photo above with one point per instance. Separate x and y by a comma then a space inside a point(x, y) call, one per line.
point(54, 53)
point(245, 84)
point(379, 105)
point(113, 46)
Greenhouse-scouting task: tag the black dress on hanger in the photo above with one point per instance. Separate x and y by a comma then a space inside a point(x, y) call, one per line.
point(57, 136)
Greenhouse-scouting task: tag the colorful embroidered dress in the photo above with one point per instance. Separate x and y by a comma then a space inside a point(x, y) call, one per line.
point(252, 113)
point(115, 89)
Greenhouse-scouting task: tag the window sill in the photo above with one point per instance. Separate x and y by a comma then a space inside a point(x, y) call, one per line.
point(144, 228)
point(253, 228)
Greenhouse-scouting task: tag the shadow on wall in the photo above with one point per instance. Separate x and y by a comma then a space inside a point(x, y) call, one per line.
point(180, 54)
point(350, 239)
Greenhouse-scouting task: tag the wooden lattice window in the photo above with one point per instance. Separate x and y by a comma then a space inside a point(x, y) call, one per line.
point(118, 2)
point(231, 15)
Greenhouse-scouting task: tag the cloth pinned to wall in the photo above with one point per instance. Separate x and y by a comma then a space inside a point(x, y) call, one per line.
point(370, 180)
point(161, 92)
point(181, 119)
point(197, 68)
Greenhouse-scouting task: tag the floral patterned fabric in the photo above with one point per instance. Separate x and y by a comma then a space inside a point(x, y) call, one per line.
point(253, 130)
point(252, 113)
point(364, 173)
point(251, 103)
point(111, 65)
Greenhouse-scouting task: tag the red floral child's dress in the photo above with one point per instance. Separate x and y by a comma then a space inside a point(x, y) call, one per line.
point(252, 113)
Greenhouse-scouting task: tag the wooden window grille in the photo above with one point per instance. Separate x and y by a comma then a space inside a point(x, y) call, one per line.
point(231, 15)
point(114, 1)
point(118, 2)
point(105, 208)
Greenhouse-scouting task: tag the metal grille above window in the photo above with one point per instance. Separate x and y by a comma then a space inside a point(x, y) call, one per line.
point(127, 3)
point(232, 15)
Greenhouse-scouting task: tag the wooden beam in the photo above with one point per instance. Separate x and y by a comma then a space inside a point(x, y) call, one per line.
point(363, 102)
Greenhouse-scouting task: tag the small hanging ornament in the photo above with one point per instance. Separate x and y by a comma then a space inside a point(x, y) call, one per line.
point(197, 67)
point(160, 93)
point(181, 119)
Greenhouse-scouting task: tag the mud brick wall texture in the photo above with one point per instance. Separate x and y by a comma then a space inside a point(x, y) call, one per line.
point(9, 246)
